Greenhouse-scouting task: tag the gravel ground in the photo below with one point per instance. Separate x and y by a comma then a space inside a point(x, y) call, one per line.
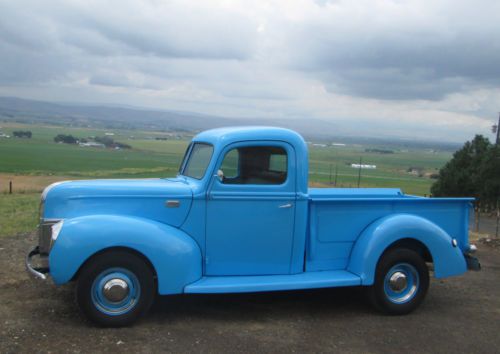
point(460, 314)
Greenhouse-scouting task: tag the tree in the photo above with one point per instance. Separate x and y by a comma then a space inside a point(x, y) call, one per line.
point(490, 172)
point(472, 172)
point(106, 140)
point(22, 134)
point(110, 143)
point(67, 139)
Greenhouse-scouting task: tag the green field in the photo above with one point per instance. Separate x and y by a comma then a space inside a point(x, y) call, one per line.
point(40, 155)
point(33, 163)
point(160, 158)
point(391, 171)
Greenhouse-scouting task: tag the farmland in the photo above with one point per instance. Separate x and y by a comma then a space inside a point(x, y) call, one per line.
point(40, 158)
point(32, 164)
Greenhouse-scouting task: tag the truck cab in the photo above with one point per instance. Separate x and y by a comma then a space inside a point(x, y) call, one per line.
point(240, 217)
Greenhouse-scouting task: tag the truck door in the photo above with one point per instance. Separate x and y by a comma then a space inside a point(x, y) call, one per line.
point(251, 210)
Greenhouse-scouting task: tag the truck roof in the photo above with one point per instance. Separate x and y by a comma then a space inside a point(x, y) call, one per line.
point(222, 137)
point(234, 134)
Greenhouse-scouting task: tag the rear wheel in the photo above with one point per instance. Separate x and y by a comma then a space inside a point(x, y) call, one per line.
point(115, 288)
point(401, 282)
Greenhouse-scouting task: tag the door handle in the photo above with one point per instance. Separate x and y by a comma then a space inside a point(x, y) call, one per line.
point(284, 206)
point(172, 203)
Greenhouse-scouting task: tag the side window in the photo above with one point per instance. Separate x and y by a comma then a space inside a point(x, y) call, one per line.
point(255, 165)
point(230, 164)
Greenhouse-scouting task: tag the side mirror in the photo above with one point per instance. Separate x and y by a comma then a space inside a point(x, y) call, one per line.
point(220, 175)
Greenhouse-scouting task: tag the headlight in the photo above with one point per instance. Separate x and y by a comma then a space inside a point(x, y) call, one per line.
point(56, 229)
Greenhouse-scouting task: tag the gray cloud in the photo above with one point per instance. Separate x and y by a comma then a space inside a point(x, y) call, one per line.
point(428, 57)
point(383, 62)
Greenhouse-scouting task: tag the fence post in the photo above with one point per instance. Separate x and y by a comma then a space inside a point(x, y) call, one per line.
point(10, 187)
point(498, 219)
point(478, 215)
point(359, 172)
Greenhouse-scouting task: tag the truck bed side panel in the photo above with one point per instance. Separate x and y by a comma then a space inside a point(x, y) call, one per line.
point(335, 225)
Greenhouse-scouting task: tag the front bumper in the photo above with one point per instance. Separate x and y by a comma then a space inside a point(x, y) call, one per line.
point(41, 270)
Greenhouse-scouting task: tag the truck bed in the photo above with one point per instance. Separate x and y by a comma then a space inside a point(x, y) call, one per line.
point(349, 193)
point(339, 215)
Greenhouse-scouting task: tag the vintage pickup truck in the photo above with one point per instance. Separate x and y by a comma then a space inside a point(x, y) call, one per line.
point(239, 217)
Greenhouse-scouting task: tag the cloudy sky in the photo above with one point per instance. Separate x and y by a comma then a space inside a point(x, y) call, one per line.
point(424, 69)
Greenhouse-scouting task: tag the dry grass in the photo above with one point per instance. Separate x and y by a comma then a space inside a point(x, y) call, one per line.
point(27, 183)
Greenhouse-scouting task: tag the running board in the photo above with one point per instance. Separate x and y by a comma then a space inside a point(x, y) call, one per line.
point(257, 283)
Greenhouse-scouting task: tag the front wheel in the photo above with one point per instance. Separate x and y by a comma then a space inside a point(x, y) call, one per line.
point(401, 282)
point(115, 288)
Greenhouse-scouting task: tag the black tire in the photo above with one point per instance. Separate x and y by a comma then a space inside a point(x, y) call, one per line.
point(399, 302)
point(128, 268)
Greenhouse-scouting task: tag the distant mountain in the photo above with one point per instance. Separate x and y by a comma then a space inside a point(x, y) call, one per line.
point(31, 111)
point(123, 117)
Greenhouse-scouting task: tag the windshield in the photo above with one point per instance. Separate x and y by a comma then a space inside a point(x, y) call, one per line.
point(198, 160)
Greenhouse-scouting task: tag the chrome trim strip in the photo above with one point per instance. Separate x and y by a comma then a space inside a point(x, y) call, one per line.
point(50, 221)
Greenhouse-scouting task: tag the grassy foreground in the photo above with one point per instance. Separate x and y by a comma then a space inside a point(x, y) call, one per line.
point(18, 213)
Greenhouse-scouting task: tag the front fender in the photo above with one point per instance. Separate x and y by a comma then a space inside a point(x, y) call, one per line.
point(174, 255)
point(379, 235)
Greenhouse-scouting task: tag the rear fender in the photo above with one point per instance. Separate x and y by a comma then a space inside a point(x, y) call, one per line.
point(175, 256)
point(378, 236)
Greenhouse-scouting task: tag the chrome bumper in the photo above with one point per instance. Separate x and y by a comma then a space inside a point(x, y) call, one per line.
point(37, 272)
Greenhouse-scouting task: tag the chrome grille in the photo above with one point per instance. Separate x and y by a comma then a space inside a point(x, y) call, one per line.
point(44, 235)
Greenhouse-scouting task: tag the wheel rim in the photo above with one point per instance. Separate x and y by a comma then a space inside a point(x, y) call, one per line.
point(401, 283)
point(115, 291)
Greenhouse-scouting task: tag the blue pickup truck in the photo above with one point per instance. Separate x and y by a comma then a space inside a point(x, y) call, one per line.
point(239, 217)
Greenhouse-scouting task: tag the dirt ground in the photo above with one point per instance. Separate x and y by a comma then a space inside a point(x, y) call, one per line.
point(460, 314)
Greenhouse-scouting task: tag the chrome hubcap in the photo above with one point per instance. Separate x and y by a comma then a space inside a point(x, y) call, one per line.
point(401, 283)
point(115, 290)
point(398, 282)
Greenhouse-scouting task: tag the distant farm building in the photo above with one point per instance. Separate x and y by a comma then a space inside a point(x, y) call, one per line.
point(416, 171)
point(92, 144)
point(367, 167)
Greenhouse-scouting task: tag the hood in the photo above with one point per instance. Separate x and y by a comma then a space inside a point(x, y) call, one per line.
point(146, 198)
